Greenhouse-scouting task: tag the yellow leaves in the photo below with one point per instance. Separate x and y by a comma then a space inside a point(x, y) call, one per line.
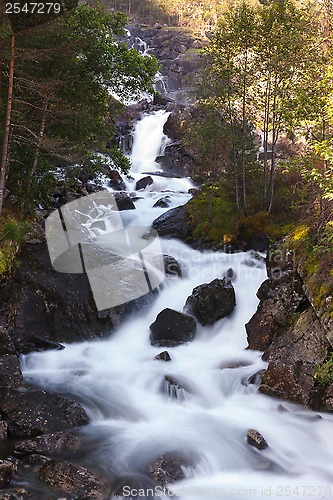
point(300, 233)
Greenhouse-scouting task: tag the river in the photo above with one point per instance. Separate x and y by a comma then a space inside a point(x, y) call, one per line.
point(134, 415)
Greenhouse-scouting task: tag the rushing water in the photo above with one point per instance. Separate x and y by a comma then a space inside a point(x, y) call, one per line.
point(134, 417)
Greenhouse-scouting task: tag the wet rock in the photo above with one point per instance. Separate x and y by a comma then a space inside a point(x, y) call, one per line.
point(211, 301)
point(58, 442)
point(163, 356)
point(6, 343)
point(31, 413)
point(174, 388)
point(167, 469)
point(116, 182)
point(233, 364)
point(287, 329)
point(16, 494)
point(172, 266)
point(230, 274)
point(255, 439)
point(10, 371)
point(172, 328)
point(163, 202)
point(280, 302)
point(43, 307)
point(3, 429)
point(176, 160)
point(7, 471)
point(174, 223)
point(72, 480)
point(38, 344)
point(143, 183)
point(124, 202)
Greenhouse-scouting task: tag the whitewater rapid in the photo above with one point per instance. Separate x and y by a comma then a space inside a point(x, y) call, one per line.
point(133, 418)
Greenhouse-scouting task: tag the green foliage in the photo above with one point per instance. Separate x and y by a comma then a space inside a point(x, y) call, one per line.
point(257, 58)
point(324, 373)
point(11, 237)
point(213, 214)
point(62, 108)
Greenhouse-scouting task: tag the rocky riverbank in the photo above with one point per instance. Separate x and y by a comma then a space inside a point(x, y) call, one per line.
point(288, 329)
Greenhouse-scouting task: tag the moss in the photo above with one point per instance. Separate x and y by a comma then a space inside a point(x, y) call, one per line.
point(324, 372)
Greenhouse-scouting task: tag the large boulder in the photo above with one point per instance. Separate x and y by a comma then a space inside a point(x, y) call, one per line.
point(42, 307)
point(124, 202)
point(29, 414)
point(163, 202)
point(211, 301)
point(174, 223)
point(172, 328)
point(286, 327)
point(7, 471)
point(281, 298)
point(177, 160)
point(116, 182)
point(57, 442)
point(143, 183)
point(72, 480)
point(167, 468)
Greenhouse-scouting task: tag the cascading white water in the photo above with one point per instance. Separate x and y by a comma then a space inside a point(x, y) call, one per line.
point(134, 419)
point(149, 140)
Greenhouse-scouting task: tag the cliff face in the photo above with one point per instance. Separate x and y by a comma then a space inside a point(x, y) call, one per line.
point(290, 331)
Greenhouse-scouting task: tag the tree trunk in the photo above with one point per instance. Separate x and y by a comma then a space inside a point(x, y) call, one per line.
point(265, 140)
point(243, 135)
point(4, 158)
point(38, 146)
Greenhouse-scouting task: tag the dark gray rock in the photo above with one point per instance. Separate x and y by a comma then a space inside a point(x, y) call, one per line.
point(281, 299)
point(172, 328)
point(255, 439)
point(10, 371)
point(163, 356)
point(6, 343)
point(174, 388)
point(172, 266)
point(3, 429)
point(124, 202)
point(31, 413)
point(174, 223)
point(116, 182)
point(286, 328)
point(211, 301)
point(7, 471)
point(143, 183)
point(58, 442)
point(77, 482)
point(176, 160)
point(163, 202)
point(167, 469)
point(43, 308)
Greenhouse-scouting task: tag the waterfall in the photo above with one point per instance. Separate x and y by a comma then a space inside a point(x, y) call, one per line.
point(136, 418)
point(149, 141)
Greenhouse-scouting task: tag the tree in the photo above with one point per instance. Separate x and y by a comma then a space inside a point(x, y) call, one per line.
point(66, 70)
point(255, 60)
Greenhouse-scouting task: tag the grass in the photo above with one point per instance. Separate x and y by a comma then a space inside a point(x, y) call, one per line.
point(11, 238)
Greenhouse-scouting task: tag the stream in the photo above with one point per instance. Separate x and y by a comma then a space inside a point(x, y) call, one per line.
point(135, 417)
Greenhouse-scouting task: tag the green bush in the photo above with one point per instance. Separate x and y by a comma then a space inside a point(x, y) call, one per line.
point(324, 373)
